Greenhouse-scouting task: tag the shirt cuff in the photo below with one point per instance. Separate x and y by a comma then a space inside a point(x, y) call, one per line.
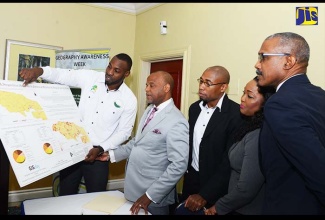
point(150, 197)
point(111, 156)
point(46, 72)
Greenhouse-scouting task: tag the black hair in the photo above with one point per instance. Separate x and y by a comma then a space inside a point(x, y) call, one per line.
point(126, 58)
point(250, 123)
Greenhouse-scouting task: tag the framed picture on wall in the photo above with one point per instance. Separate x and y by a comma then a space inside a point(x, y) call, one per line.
point(20, 54)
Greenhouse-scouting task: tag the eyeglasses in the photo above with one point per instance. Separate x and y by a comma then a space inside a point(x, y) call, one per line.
point(261, 56)
point(208, 83)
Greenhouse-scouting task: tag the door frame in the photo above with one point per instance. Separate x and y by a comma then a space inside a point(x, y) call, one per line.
point(144, 71)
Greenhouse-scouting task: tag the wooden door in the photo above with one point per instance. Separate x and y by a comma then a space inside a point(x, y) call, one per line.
point(174, 67)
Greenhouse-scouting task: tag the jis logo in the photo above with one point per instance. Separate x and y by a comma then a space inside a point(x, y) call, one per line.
point(306, 15)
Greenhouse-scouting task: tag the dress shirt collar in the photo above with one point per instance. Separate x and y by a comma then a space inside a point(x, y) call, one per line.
point(278, 87)
point(219, 104)
point(120, 88)
point(162, 105)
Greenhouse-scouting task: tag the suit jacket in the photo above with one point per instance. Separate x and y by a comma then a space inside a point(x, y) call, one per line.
point(246, 185)
point(292, 149)
point(157, 156)
point(213, 157)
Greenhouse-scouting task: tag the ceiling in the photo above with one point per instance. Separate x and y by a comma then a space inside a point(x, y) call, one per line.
point(133, 8)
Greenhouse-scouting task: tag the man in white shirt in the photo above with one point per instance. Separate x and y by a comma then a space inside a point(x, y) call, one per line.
point(108, 109)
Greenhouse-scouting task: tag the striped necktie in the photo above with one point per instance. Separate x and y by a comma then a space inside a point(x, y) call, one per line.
point(152, 113)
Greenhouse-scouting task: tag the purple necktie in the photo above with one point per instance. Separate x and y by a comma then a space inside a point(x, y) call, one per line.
point(150, 117)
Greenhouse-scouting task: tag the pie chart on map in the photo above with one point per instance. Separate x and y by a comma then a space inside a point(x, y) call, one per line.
point(19, 156)
point(47, 148)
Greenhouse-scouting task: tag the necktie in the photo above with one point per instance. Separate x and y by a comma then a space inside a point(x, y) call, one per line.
point(152, 113)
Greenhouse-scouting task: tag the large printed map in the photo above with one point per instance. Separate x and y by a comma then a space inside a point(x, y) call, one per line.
point(9, 101)
point(40, 129)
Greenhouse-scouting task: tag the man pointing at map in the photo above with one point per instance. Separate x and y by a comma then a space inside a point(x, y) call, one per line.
point(108, 110)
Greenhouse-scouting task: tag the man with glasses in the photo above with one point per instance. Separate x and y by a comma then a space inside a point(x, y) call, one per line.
point(212, 120)
point(292, 139)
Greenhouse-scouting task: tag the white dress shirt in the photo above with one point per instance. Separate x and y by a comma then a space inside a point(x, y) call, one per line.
point(199, 129)
point(108, 115)
point(159, 108)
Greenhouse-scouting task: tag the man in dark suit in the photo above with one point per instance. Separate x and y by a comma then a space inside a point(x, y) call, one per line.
point(292, 139)
point(212, 120)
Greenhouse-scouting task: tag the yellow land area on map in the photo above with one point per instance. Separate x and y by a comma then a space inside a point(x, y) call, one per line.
point(17, 103)
point(71, 131)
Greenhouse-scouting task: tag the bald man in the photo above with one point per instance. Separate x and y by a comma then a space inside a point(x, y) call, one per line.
point(212, 120)
point(158, 154)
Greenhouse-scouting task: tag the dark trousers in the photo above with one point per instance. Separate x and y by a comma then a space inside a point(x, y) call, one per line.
point(95, 176)
point(191, 183)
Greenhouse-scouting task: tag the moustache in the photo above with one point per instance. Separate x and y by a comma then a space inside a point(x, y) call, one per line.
point(259, 73)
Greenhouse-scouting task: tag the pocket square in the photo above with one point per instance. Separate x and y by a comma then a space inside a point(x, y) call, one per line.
point(156, 131)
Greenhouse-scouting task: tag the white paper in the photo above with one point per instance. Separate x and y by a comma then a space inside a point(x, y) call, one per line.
point(40, 129)
point(105, 203)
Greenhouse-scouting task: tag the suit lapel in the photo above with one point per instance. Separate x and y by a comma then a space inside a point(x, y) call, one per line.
point(196, 113)
point(212, 122)
point(142, 120)
point(216, 117)
point(155, 121)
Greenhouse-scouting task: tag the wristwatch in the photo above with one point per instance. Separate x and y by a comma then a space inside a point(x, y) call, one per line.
point(101, 150)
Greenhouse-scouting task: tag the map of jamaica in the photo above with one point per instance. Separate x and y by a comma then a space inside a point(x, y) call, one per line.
point(71, 131)
point(17, 103)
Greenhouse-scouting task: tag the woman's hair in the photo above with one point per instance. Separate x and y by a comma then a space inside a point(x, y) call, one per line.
point(251, 123)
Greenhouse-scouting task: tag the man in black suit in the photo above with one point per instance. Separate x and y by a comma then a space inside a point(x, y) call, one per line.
point(212, 120)
point(292, 139)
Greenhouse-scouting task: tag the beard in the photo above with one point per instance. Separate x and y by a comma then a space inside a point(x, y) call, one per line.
point(110, 82)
